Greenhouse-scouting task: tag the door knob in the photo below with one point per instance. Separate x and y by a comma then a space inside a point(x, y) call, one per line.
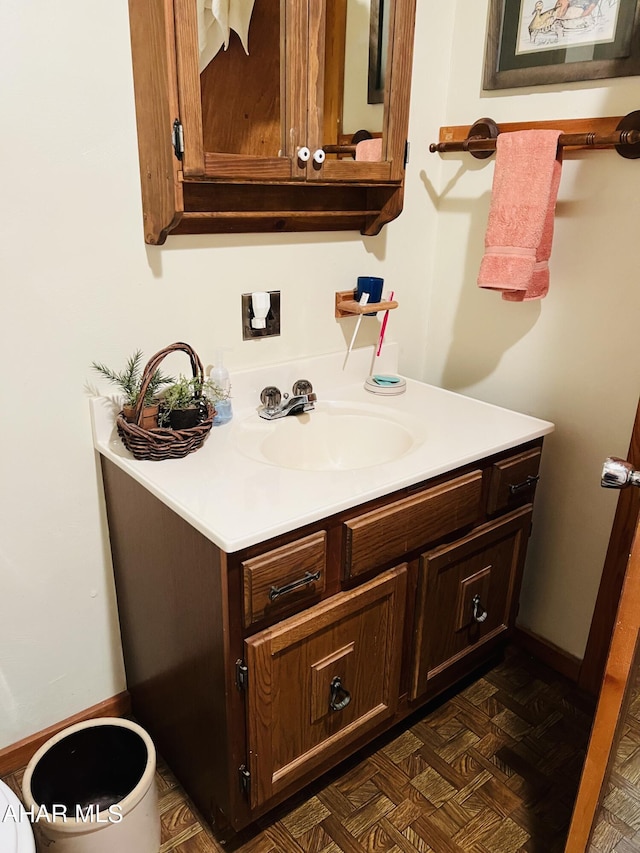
point(618, 473)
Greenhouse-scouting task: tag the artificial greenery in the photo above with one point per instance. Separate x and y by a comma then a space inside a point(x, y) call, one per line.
point(188, 393)
point(129, 380)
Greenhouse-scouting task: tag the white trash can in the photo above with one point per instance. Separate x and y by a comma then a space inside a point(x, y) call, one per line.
point(91, 789)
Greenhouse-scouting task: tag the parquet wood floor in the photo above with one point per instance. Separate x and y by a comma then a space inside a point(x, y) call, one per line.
point(493, 769)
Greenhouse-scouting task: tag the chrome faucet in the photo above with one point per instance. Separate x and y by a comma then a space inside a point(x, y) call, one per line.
point(274, 405)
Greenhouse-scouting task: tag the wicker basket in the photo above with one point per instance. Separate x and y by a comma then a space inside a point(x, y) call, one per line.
point(164, 443)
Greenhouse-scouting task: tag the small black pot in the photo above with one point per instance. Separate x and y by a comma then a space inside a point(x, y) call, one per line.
point(184, 418)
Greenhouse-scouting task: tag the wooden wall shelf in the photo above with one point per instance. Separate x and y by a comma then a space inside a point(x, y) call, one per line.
point(347, 306)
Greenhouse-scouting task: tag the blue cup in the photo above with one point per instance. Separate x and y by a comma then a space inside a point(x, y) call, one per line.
point(372, 285)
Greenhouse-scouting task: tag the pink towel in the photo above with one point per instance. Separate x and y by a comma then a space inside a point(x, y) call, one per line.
point(369, 150)
point(521, 218)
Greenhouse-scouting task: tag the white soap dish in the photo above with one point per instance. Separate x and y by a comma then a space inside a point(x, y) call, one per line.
point(385, 384)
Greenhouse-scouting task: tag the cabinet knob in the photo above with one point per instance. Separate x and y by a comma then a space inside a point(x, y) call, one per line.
point(319, 156)
point(340, 696)
point(479, 613)
point(304, 154)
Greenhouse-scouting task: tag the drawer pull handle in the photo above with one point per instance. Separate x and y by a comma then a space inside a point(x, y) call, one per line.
point(479, 613)
point(529, 483)
point(340, 696)
point(277, 591)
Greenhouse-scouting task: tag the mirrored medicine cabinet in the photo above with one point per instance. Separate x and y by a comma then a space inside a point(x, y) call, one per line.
point(268, 139)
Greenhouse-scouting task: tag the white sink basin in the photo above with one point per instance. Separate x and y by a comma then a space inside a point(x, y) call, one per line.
point(335, 436)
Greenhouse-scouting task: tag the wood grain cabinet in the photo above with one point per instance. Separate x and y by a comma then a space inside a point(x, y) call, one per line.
point(256, 142)
point(259, 670)
point(320, 680)
point(469, 590)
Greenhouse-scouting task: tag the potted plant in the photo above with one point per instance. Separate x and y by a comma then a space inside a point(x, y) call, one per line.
point(129, 381)
point(184, 404)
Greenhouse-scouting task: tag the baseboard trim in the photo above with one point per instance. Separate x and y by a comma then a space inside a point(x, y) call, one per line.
point(551, 655)
point(18, 755)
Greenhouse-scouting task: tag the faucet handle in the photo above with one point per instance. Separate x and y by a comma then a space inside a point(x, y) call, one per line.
point(270, 397)
point(302, 386)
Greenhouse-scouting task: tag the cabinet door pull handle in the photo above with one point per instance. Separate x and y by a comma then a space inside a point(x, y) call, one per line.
point(529, 483)
point(319, 156)
point(277, 591)
point(340, 696)
point(479, 613)
point(304, 154)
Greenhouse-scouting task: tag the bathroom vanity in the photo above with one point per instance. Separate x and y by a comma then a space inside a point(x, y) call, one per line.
point(275, 617)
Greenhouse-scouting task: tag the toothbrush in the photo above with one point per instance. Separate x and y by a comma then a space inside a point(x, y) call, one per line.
point(363, 301)
point(384, 325)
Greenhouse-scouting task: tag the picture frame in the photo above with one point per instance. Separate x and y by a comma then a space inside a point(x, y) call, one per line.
point(535, 42)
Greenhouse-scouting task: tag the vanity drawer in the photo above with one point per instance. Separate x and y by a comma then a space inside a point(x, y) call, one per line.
point(392, 531)
point(513, 481)
point(294, 573)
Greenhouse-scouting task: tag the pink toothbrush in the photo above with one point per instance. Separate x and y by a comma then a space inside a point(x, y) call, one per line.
point(384, 325)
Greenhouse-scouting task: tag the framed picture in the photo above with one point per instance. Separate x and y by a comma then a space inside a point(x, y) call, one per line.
point(533, 42)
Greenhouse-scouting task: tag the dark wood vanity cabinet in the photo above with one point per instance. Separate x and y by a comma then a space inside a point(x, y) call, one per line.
point(252, 142)
point(256, 671)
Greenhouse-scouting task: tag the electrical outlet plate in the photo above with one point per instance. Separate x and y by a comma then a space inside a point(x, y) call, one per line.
point(273, 318)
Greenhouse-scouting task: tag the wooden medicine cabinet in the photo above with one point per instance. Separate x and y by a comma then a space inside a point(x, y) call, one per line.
point(264, 141)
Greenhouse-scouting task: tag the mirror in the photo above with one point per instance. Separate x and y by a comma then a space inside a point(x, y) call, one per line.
point(348, 105)
point(378, 38)
point(360, 110)
point(351, 27)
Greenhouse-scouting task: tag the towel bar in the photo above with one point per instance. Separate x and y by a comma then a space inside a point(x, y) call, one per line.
point(480, 141)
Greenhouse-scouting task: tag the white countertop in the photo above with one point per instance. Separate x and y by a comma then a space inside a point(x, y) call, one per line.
point(236, 501)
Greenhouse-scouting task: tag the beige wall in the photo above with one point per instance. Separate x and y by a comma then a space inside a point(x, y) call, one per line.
point(79, 284)
point(571, 358)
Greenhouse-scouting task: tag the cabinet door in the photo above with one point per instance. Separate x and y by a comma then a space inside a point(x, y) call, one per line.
point(337, 94)
point(467, 596)
point(248, 116)
point(243, 115)
point(320, 680)
point(340, 56)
